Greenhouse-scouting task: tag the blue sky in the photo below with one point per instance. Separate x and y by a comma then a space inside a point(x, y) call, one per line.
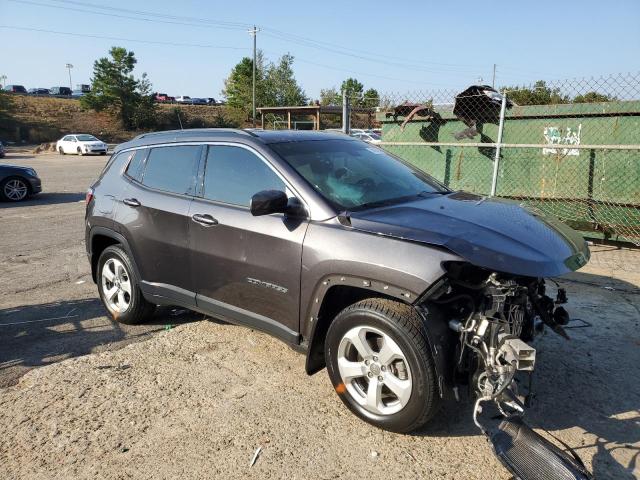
point(391, 46)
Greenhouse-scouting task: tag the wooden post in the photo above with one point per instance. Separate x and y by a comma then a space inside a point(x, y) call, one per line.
point(262, 120)
point(318, 118)
point(289, 119)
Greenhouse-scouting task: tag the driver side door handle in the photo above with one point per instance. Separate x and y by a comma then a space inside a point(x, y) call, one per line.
point(132, 202)
point(204, 219)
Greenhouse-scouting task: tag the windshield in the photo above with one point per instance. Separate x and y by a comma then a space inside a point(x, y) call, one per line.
point(86, 138)
point(355, 175)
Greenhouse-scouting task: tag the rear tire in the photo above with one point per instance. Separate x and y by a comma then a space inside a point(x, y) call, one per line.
point(119, 288)
point(60, 150)
point(380, 364)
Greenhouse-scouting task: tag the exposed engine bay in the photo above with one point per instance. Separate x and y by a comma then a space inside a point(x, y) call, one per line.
point(495, 318)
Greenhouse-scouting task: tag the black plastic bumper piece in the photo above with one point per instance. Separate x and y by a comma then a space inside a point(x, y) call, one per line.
point(529, 456)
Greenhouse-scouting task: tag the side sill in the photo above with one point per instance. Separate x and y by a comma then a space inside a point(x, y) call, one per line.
point(249, 319)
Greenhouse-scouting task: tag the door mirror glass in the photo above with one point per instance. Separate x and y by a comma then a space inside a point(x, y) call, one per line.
point(268, 201)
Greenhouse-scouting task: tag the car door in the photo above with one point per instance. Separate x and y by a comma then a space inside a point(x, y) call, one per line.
point(65, 143)
point(153, 214)
point(245, 268)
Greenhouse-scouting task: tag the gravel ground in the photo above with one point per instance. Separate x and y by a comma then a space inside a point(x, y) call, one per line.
point(197, 400)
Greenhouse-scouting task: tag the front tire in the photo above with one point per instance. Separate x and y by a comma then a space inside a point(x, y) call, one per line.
point(80, 151)
point(14, 189)
point(380, 364)
point(119, 288)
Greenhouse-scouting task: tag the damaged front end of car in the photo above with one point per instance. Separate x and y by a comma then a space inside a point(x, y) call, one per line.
point(493, 318)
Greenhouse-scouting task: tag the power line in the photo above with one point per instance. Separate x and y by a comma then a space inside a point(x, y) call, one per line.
point(274, 32)
point(206, 23)
point(197, 45)
point(235, 25)
point(104, 37)
point(115, 15)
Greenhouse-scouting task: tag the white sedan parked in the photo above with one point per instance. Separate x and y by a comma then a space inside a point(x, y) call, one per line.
point(81, 143)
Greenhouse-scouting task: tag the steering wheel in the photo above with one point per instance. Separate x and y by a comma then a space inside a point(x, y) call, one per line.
point(366, 183)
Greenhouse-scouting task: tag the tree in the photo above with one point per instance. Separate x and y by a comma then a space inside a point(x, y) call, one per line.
point(353, 89)
point(282, 89)
point(330, 97)
point(540, 94)
point(145, 111)
point(276, 85)
point(593, 97)
point(113, 87)
point(238, 86)
point(371, 98)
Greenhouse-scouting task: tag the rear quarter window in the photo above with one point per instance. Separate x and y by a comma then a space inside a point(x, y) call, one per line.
point(136, 164)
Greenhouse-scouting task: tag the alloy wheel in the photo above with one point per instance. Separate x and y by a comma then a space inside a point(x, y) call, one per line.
point(116, 286)
point(374, 370)
point(16, 190)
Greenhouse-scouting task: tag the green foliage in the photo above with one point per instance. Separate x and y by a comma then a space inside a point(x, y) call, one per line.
point(354, 90)
point(145, 110)
point(593, 97)
point(275, 84)
point(281, 87)
point(114, 88)
point(238, 86)
point(330, 96)
point(371, 98)
point(540, 94)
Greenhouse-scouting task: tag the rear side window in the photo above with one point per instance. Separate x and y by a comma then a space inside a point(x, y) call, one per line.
point(172, 169)
point(136, 162)
point(234, 174)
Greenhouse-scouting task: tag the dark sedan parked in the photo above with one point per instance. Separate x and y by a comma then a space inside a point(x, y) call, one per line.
point(17, 183)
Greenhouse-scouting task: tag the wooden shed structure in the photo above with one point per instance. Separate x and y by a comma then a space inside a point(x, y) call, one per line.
point(294, 115)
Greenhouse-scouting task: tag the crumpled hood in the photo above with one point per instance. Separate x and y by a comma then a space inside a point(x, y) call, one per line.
point(492, 233)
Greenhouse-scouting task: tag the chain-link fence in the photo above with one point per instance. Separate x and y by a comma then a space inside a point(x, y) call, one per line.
point(569, 148)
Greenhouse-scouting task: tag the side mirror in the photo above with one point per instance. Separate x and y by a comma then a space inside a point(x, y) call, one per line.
point(269, 201)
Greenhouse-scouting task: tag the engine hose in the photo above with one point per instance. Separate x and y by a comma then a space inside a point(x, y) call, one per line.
point(505, 384)
point(459, 296)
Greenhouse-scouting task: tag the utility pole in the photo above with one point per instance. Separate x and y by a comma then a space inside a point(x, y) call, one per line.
point(3, 79)
point(254, 34)
point(69, 67)
point(493, 82)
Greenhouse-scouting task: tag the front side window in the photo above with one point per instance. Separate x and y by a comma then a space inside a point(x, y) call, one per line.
point(172, 169)
point(356, 175)
point(234, 174)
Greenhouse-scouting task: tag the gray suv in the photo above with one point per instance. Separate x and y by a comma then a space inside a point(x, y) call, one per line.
point(405, 290)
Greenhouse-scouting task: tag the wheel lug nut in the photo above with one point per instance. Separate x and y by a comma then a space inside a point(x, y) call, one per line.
point(370, 374)
point(375, 359)
point(380, 378)
point(367, 362)
point(383, 368)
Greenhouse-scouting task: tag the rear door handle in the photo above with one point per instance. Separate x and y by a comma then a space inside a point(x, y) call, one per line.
point(204, 219)
point(132, 202)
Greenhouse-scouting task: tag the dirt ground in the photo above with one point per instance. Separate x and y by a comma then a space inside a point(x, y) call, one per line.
point(187, 397)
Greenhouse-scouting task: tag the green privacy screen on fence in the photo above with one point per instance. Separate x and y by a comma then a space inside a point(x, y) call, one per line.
point(577, 161)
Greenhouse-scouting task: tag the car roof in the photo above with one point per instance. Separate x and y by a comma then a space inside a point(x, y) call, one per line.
point(230, 134)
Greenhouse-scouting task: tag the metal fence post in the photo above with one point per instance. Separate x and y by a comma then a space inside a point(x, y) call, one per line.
point(496, 160)
point(346, 114)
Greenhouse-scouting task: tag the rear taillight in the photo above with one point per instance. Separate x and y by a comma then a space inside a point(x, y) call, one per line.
point(88, 196)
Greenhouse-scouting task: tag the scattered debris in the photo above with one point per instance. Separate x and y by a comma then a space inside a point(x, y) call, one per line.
point(255, 456)
point(374, 454)
point(169, 326)
point(80, 282)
